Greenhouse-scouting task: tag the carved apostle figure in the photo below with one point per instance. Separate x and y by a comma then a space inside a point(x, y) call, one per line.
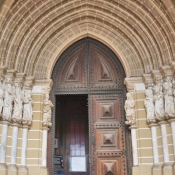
point(47, 111)
point(8, 98)
point(1, 95)
point(27, 107)
point(168, 96)
point(158, 99)
point(18, 103)
point(149, 105)
point(129, 108)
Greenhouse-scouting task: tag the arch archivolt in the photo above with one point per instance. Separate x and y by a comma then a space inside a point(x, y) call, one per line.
point(34, 33)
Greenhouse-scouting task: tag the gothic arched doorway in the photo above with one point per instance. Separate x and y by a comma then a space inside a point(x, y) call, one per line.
point(91, 70)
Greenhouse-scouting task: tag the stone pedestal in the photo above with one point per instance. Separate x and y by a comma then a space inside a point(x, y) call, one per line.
point(12, 170)
point(156, 169)
point(174, 168)
point(22, 170)
point(167, 169)
point(3, 169)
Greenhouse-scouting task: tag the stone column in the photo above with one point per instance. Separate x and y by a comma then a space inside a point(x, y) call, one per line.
point(44, 147)
point(172, 118)
point(161, 111)
point(17, 96)
point(134, 145)
point(4, 123)
point(26, 121)
point(149, 105)
point(131, 120)
point(46, 122)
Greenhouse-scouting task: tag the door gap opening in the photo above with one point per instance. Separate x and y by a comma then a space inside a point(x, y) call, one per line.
point(71, 135)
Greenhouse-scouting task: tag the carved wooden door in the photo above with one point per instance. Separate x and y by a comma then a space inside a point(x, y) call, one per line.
point(109, 149)
point(89, 67)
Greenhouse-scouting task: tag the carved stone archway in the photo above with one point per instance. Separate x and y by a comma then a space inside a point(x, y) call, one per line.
point(89, 67)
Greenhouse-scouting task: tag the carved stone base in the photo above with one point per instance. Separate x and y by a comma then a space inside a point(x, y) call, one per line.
point(167, 169)
point(3, 169)
point(12, 170)
point(22, 170)
point(156, 169)
point(174, 168)
point(3, 166)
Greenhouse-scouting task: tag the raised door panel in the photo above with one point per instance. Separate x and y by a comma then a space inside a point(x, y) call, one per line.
point(103, 70)
point(109, 149)
point(73, 73)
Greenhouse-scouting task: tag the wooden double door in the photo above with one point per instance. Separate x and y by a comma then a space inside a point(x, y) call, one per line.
point(89, 67)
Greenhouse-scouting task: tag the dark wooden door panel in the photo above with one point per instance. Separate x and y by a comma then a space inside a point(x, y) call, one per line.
point(109, 151)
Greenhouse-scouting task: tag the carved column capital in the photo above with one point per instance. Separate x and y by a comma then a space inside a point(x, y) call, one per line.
point(157, 77)
point(3, 71)
point(148, 80)
point(173, 66)
point(167, 73)
point(10, 76)
point(19, 79)
point(29, 82)
point(129, 84)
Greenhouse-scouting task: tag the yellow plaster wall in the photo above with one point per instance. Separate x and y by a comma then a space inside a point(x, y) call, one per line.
point(34, 144)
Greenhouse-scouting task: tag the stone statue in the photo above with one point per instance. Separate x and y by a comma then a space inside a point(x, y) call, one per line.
point(27, 107)
point(158, 99)
point(149, 105)
point(8, 98)
point(1, 96)
point(18, 103)
point(47, 111)
point(47, 108)
point(168, 96)
point(129, 108)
